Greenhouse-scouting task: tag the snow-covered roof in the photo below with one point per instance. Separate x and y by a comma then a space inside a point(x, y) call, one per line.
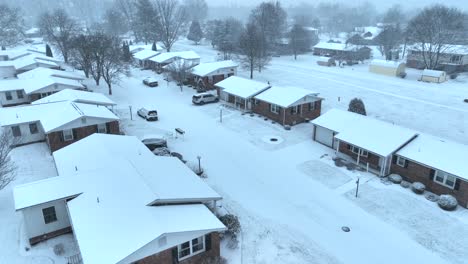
point(45, 72)
point(333, 46)
point(439, 154)
point(32, 85)
point(205, 69)
point(137, 47)
point(77, 97)
point(387, 64)
point(285, 96)
point(29, 60)
point(433, 73)
point(52, 116)
point(181, 64)
point(446, 49)
point(186, 55)
point(375, 31)
point(145, 54)
point(376, 136)
point(242, 87)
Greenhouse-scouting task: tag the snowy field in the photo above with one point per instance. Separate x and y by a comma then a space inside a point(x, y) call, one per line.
point(291, 199)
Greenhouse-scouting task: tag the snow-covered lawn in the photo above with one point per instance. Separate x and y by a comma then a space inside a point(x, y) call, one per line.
point(291, 199)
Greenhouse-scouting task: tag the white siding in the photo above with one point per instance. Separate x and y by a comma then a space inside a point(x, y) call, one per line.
point(88, 121)
point(324, 136)
point(34, 219)
point(15, 100)
point(7, 72)
point(27, 137)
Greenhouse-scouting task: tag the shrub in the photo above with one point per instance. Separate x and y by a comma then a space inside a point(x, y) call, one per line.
point(395, 178)
point(418, 187)
point(357, 106)
point(405, 184)
point(214, 260)
point(453, 76)
point(59, 249)
point(466, 100)
point(232, 223)
point(447, 202)
point(287, 127)
point(402, 75)
point(432, 197)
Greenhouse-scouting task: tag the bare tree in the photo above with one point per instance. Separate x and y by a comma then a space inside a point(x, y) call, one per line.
point(226, 37)
point(197, 10)
point(394, 15)
point(82, 53)
point(434, 29)
point(11, 26)
point(171, 18)
point(58, 28)
point(146, 24)
point(7, 167)
point(299, 40)
point(113, 65)
point(389, 41)
point(114, 22)
point(180, 71)
point(250, 47)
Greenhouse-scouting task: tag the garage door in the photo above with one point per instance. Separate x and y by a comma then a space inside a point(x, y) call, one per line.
point(324, 136)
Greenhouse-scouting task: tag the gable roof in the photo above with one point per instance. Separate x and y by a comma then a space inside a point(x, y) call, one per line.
point(441, 154)
point(29, 60)
point(333, 46)
point(446, 49)
point(387, 64)
point(52, 116)
point(205, 69)
point(77, 97)
point(242, 87)
point(186, 55)
point(145, 54)
point(32, 85)
point(45, 72)
point(285, 96)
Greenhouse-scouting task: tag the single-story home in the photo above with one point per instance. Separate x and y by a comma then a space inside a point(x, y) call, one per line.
point(11, 68)
point(389, 68)
point(288, 105)
point(452, 58)
point(158, 62)
point(45, 72)
point(371, 143)
point(239, 91)
point(433, 76)
point(8, 55)
point(439, 164)
point(142, 57)
point(59, 124)
point(140, 214)
point(206, 75)
point(22, 91)
point(77, 96)
point(342, 51)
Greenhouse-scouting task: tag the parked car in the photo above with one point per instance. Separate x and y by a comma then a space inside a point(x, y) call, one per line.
point(203, 98)
point(148, 113)
point(151, 82)
point(155, 142)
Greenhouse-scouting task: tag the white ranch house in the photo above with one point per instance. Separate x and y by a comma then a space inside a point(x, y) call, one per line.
point(11, 68)
point(240, 92)
point(77, 96)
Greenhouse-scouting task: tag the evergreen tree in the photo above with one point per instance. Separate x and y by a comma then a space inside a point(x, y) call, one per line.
point(154, 47)
point(195, 33)
point(127, 56)
point(49, 51)
point(357, 106)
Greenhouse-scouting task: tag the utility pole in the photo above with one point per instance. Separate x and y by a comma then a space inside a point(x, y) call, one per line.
point(357, 187)
point(131, 115)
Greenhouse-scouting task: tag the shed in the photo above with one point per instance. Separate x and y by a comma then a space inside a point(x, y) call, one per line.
point(326, 61)
point(433, 76)
point(389, 68)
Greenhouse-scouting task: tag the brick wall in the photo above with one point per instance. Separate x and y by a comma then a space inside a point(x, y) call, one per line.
point(165, 257)
point(55, 141)
point(263, 108)
point(415, 172)
point(372, 159)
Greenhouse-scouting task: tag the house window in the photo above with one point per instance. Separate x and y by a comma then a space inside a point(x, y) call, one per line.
point(16, 131)
point(360, 152)
point(49, 214)
point(295, 110)
point(401, 162)
point(455, 58)
point(67, 134)
point(102, 128)
point(445, 179)
point(274, 108)
point(19, 94)
point(192, 247)
point(312, 106)
point(8, 96)
point(33, 128)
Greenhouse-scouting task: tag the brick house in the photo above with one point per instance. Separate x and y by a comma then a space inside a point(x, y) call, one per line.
point(288, 105)
point(153, 219)
point(205, 75)
point(452, 58)
point(239, 92)
point(368, 142)
point(58, 124)
point(143, 57)
point(438, 163)
point(342, 51)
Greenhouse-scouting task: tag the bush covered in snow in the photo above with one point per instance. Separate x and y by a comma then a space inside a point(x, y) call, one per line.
point(59, 249)
point(432, 197)
point(214, 260)
point(357, 106)
point(232, 223)
point(402, 75)
point(405, 184)
point(447, 202)
point(418, 187)
point(395, 178)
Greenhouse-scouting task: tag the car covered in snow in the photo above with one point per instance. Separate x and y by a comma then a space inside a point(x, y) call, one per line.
point(150, 81)
point(204, 98)
point(154, 142)
point(149, 114)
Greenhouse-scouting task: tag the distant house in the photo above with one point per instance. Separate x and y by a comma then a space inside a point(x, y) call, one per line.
point(22, 91)
point(368, 33)
point(7, 55)
point(143, 57)
point(288, 105)
point(33, 33)
point(158, 62)
point(370, 143)
point(342, 52)
point(206, 75)
point(77, 96)
point(438, 163)
point(389, 68)
point(45, 72)
point(59, 124)
point(142, 215)
point(240, 91)
point(453, 58)
point(433, 76)
point(326, 61)
point(11, 68)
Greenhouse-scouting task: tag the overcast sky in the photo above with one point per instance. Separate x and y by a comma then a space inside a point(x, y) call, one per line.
point(380, 4)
